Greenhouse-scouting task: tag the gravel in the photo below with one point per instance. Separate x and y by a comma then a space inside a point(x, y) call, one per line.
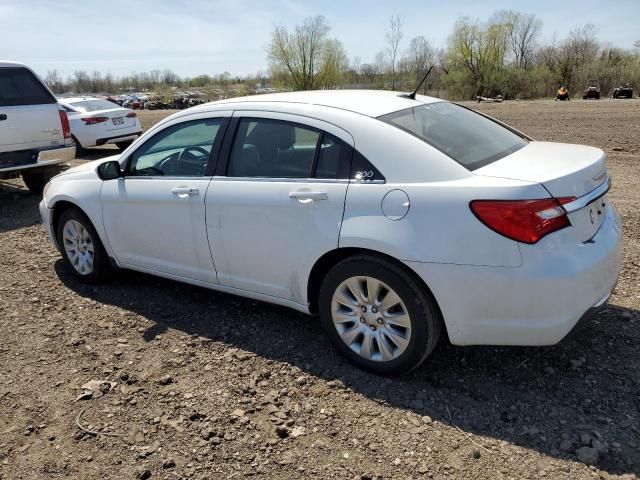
point(207, 385)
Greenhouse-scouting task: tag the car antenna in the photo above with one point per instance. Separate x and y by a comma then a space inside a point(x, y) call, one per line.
point(412, 95)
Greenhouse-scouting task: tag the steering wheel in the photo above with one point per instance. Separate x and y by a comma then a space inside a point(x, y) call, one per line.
point(189, 150)
point(168, 163)
point(193, 159)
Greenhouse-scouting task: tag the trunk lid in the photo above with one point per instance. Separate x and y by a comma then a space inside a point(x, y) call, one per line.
point(565, 170)
point(117, 118)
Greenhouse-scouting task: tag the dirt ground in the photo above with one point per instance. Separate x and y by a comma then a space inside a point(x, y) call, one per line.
point(207, 385)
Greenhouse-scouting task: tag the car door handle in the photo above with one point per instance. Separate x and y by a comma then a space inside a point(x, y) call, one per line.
point(185, 191)
point(2, 117)
point(307, 196)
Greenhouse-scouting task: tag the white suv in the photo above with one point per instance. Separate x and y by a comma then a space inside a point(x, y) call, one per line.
point(35, 138)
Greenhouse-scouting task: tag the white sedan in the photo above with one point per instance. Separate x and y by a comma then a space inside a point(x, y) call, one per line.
point(96, 122)
point(394, 218)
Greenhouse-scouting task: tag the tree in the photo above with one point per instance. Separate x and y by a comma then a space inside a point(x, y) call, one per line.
point(54, 81)
point(306, 58)
point(480, 50)
point(522, 32)
point(334, 63)
point(418, 58)
point(393, 37)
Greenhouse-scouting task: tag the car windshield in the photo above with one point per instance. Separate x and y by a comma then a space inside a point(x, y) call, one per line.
point(86, 106)
point(469, 138)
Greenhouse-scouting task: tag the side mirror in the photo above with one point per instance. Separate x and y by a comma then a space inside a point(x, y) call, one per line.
point(110, 170)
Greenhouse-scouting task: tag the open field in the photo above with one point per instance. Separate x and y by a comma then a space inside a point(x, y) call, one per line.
point(215, 386)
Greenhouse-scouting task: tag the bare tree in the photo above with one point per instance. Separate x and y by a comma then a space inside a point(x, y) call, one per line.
point(393, 37)
point(522, 31)
point(300, 55)
point(580, 51)
point(418, 58)
point(356, 64)
point(54, 81)
point(523, 38)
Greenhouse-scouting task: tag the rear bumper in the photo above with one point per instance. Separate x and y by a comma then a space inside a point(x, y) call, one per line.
point(535, 304)
point(118, 138)
point(46, 158)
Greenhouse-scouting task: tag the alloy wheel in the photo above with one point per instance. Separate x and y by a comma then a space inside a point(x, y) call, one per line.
point(78, 247)
point(371, 318)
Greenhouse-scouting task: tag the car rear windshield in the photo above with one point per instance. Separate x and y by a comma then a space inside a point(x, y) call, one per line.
point(469, 138)
point(86, 106)
point(18, 86)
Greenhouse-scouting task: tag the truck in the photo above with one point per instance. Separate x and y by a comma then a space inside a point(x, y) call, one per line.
point(35, 137)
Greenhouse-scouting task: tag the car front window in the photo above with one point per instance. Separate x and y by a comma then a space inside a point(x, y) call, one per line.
point(179, 150)
point(469, 138)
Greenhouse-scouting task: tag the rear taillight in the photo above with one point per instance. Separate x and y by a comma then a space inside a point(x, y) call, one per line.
point(64, 120)
point(94, 120)
point(525, 221)
point(131, 115)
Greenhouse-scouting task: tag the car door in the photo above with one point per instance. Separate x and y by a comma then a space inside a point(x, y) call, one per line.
point(276, 203)
point(155, 216)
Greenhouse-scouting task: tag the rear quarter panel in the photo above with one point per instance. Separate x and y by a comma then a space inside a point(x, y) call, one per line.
point(439, 226)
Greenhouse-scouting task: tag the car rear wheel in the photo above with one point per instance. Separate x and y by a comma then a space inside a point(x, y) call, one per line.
point(35, 180)
point(79, 148)
point(124, 145)
point(81, 248)
point(377, 315)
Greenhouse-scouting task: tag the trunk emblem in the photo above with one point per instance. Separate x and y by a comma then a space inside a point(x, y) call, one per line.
point(600, 175)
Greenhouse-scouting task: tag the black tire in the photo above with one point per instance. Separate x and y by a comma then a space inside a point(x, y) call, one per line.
point(425, 319)
point(124, 145)
point(79, 148)
point(35, 180)
point(101, 265)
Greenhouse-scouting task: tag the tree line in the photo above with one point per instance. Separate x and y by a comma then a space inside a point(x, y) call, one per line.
point(502, 55)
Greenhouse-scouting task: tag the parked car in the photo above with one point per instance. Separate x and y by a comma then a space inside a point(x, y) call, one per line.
point(35, 140)
point(623, 91)
point(96, 122)
point(394, 218)
point(592, 90)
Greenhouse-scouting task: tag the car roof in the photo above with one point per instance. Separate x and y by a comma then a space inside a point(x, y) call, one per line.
point(372, 103)
point(8, 63)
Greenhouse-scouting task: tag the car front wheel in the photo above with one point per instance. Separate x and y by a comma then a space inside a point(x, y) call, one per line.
point(377, 315)
point(81, 248)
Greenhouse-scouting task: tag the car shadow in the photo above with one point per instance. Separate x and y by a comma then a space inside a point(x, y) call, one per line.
point(18, 206)
point(543, 398)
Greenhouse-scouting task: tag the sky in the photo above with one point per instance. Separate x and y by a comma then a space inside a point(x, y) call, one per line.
point(193, 37)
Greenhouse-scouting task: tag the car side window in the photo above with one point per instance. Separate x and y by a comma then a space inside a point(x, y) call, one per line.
point(181, 150)
point(334, 158)
point(270, 148)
